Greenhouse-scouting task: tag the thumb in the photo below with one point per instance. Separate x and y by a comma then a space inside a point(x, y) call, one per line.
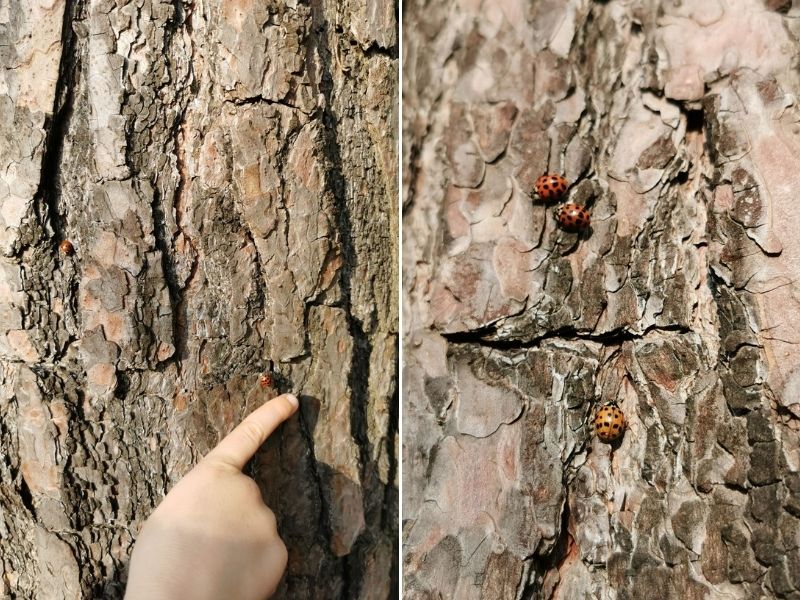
point(241, 444)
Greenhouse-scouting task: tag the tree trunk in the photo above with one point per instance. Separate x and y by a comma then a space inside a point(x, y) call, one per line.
point(226, 173)
point(677, 124)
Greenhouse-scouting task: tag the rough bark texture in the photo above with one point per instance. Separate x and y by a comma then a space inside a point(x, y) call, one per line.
point(226, 171)
point(678, 124)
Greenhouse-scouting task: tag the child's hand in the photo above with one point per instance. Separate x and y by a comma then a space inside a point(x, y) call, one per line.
point(212, 536)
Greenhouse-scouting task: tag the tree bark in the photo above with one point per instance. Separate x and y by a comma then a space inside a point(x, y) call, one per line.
point(677, 124)
point(226, 172)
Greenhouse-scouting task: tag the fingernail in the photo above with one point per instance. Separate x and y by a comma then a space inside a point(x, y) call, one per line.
point(293, 400)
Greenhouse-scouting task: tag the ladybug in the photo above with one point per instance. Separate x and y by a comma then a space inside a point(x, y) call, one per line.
point(266, 380)
point(550, 187)
point(66, 248)
point(609, 422)
point(573, 217)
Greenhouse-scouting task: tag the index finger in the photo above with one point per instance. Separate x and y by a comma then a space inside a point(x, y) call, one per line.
point(241, 444)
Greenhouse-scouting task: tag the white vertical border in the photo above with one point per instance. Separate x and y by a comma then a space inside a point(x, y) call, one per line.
point(400, 299)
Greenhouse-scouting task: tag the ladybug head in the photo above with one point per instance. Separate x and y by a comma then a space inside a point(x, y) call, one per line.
point(614, 403)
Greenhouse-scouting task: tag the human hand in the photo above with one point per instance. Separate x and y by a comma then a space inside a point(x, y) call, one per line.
point(212, 536)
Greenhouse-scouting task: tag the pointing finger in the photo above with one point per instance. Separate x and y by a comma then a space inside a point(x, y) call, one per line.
point(241, 444)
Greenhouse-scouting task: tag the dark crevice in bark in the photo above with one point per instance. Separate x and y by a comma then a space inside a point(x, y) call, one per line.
point(26, 497)
point(81, 488)
point(164, 246)
point(389, 516)
point(374, 49)
point(481, 337)
point(358, 377)
point(350, 574)
point(785, 412)
point(324, 525)
point(324, 530)
point(543, 564)
point(413, 166)
point(695, 120)
point(177, 290)
point(258, 298)
point(742, 488)
point(164, 240)
point(75, 488)
point(180, 12)
point(259, 99)
point(49, 189)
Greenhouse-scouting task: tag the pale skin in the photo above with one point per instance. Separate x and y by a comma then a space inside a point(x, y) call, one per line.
point(212, 536)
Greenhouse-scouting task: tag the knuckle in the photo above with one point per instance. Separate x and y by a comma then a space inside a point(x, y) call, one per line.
point(282, 553)
point(278, 556)
point(252, 490)
point(270, 521)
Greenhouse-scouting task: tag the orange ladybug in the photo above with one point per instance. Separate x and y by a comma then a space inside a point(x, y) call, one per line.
point(266, 380)
point(66, 248)
point(609, 422)
point(573, 217)
point(550, 187)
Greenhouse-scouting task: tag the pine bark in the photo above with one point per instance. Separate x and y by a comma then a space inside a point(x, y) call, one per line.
point(226, 173)
point(677, 125)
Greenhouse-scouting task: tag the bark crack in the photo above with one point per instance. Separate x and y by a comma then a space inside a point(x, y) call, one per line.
point(563, 547)
point(306, 433)
point(259, 99)
point(611, 338)
point(178, 292)
point(63, 107)
point(164, 239)
point(358, 377)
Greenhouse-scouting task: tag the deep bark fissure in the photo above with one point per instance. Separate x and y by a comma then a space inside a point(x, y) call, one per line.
point(259, 296)
point(478, 337)
point(63, 106)
point(554, 559)
point(324, 525)
point(412, 166)
point(375, 49)
point(362, 347)
point(180, 12)
point(259, 99)
point(180, 317)
point(25, 496)
point(358, 378)
point(178, 291)
point(388, 519)
point(359, 373)
point(164, 240)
